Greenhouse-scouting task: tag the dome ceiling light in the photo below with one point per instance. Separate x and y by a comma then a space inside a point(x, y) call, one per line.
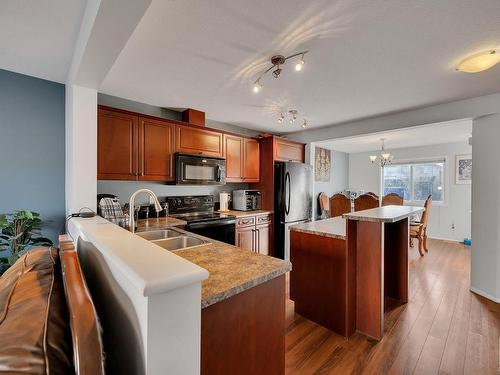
point(480, 61)
point(276, 62)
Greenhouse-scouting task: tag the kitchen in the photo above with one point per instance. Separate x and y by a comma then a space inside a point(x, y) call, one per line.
point(202, 171)
point(201, 166)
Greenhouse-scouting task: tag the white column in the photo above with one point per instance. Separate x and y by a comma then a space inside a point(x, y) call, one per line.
point(485, 253)
point(81, 148)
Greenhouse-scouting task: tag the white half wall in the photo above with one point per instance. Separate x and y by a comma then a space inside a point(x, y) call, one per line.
point(81, 148)
point(457, 207)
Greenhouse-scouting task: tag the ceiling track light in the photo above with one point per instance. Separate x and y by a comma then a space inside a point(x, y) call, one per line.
point(276, 62)
point(291, 115)
point(257, 86)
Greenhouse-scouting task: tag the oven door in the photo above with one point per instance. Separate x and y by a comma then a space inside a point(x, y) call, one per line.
point(220, 230)
point(199, 170)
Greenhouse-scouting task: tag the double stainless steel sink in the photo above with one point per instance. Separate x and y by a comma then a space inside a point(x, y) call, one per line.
point(171, 239)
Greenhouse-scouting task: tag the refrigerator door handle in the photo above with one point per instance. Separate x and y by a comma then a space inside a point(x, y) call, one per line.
point(287, 205)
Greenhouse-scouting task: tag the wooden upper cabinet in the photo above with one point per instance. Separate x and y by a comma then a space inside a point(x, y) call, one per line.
point(156, 150)
point(117, 147)
point(233, 151)
point(192, 140)
point(251, 160)
point(288, 151)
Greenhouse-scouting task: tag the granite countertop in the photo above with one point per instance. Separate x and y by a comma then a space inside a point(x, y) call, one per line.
point(385, 214)
point(247, 213)
point(145, 225)
point(334, 227)
point(232, 270)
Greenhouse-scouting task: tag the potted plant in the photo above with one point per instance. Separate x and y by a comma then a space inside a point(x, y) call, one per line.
point(19, 232)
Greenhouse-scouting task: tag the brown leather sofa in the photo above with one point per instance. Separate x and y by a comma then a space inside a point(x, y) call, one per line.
point(48, 323)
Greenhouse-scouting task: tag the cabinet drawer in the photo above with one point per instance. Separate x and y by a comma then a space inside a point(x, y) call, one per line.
point(263, 219)
point(245, 221)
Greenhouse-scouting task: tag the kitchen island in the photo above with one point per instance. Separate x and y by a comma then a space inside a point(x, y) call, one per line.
point(230, 300)
point(380, 239)
point(345, 267)
point(322, 283)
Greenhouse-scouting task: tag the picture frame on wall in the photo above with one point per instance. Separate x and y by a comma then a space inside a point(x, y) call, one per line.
point(463, 169)
point(322, 164)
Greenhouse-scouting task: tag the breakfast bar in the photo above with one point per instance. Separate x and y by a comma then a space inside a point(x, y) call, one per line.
point(379, 237)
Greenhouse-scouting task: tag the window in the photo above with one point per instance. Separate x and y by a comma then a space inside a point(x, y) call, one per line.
point(415, 181)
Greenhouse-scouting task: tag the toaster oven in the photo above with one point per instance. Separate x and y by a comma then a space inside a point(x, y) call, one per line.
point(246, 200)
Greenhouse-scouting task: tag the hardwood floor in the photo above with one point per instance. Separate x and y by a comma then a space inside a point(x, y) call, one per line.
point(444, 329)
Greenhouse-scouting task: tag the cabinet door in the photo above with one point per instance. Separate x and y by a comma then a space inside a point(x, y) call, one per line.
point(233, 150)
point(198, 141)
point(251, 160)
point(288, 151)
point(245, 238)
point(263, 238)
point(117, 146)
point(156, 150)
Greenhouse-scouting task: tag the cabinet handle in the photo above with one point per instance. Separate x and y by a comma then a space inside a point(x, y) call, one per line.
point(257, 250)
point(253, 240)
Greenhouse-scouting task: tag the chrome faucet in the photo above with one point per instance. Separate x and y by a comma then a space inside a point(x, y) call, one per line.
point(131, 206)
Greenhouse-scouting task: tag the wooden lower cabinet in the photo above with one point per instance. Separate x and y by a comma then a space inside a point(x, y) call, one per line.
point(254, 233)
point(245, 238)
point(245, 334)
point(263, 238)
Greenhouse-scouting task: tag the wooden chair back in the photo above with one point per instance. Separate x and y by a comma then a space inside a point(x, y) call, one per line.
point(365, 202)
point(324, 205)
point(339, 205)
point(392, 199)
point(86, 331)
point(425, 215)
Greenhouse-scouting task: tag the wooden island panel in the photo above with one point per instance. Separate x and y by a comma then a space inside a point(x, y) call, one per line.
point(245, 334)
point(322, 281)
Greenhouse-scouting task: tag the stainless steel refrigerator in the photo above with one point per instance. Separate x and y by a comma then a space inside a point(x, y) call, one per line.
point(292, 202)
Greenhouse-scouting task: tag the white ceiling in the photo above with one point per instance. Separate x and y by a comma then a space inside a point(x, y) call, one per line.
point(367, 57)
point(37, 37)
point(432, 134)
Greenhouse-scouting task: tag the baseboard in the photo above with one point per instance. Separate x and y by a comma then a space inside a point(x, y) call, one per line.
point(445, 239)
point(485, 295)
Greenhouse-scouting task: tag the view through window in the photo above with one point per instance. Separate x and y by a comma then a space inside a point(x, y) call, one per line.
point(415, 181)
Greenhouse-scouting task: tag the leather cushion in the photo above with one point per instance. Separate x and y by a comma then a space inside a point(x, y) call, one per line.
point(35, 336)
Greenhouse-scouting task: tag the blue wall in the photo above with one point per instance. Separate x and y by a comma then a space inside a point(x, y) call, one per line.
point(32, 148)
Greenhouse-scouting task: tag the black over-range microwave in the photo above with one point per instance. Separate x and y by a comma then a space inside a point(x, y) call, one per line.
point(199, 170)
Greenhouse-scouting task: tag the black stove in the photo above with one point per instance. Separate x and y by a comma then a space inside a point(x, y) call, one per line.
point(198, 212)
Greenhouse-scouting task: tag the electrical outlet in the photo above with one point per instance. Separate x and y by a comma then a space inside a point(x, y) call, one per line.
point(453, 226)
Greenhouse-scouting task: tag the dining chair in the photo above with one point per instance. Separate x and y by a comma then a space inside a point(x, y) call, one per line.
point(392, 199)
point(339, 205)
point(365, 202)
point(324, 205)
point(418, 229)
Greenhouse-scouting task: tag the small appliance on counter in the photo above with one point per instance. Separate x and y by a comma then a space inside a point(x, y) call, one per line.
point(224, 201)
point(109, 207)
point(246, 200)
point(198, 212)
